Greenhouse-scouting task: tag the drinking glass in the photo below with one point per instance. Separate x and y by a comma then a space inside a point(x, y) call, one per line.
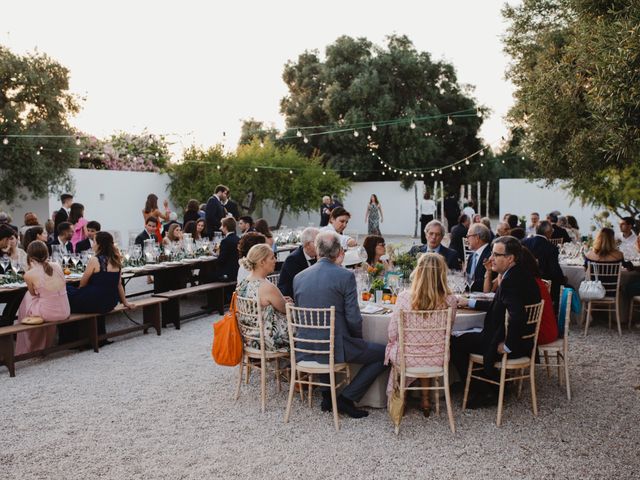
point(66, 256)
point(75, 259)
point(5, 261)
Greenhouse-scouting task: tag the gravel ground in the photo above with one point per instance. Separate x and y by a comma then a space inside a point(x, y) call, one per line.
point(151, 407)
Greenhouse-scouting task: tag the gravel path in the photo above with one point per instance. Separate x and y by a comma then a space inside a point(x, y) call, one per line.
point(151, 407)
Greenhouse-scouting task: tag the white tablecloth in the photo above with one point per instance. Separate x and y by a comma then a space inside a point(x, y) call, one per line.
point(375, 329)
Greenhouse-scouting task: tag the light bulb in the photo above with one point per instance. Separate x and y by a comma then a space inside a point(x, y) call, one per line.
point(449, 121)
point(422, 175)
point(299, 133)
point(255, 169)
point(482, 164)
point(59, 150)
point(482, 153)
point(466, 162)
point(261, 144)
point(77, 140)
point(305, 140)
point(324, 173)
point(38, 152)
point(384, 173)
point(5, 141)
point(290, 172)
point(395, 171)
point(415, 175)
point(369, 138)
point(218, 167)
point(157, 155)
point(89, 155)
point(41, 147)
point(433, 174)
point(355, 133)
point(412, 125)
point(373, 127)
point(354, 174)
point(440, 172)
point(502, 161)
point(522, 158)
point(478, 113)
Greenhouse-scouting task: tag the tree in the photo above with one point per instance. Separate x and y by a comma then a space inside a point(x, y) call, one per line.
point(575, 68)
point(358, 84)
point(252, 129)
point(35, 146)
point(254, 174)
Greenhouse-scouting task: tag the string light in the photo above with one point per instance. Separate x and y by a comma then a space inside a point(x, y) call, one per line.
point(5, 141)
point(479, 113)
point(354, 174)
point(466, 162)
point(218, 167)
point(298, 133)
point(481, 153)
point(355, 133)
point(324, 173)
point(77, 140)
point(412, 125)
point(373, 127)
point(305, 139)
point(38, 152)
point(290, 172)
point(255, 169)
point(449, 121)
point(261, 144)
point(59, 150)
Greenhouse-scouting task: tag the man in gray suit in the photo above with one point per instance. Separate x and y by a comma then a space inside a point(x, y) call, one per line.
point(327, 284)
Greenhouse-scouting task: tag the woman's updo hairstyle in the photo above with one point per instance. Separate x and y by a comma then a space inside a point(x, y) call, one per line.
point(257, 254)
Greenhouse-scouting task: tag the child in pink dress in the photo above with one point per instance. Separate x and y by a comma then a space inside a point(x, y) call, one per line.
point(46, 298)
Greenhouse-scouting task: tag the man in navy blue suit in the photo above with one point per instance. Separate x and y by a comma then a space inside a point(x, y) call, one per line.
point(547, 255)
point(434, 231)
point(479, 238)
point(300, 259)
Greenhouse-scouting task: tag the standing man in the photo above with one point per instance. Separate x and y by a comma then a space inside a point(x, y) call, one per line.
point(328, 284)
point(325, 210)
point(457, 234)
point(300, 259)
point(435, 233)
point(231, 207)
point(451, 210)
point(227, 266)
point(214, 212)
point(546, 254)
point(62, 215)
point(627, 235)
point(517, 289)
point(479, 237)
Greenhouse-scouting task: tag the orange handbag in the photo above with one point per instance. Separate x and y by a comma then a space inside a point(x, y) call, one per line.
point(227, 339)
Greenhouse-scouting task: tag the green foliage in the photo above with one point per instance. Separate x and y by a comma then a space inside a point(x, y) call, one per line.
point(34, 100)
point(293, 192)
point(578, 94)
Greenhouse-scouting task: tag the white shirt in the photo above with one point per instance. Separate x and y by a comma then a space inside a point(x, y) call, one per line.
point(428, 207)
point(630, 241)
point(469, 212)
point(344, 239)
point(307, 257)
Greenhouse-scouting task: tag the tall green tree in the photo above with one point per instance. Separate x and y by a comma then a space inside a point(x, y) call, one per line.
point(357, 84)
point(577, 75)
point(35, 103)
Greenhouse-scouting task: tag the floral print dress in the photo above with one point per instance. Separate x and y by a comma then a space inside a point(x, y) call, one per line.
point(276, 335)
point(373, 226)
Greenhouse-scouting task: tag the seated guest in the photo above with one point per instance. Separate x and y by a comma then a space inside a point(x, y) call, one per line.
point(196, 229)
point(435, 233)
point(49, 227)
point(247, 241)
point(513, 221)
point(261, 226)
point(5, 219)
point(375, 245)
point(260, 262)
point(518, 233)
point(149, 232)
point(13, 251)
point(549, 323)
point(328, 284)
point(429, 291)
point(458, 232)
point(202, 211)
point(503, 229)
point(604, 250)
point(100, 287)
point(558, 231)
point(173, 220)
point(191, 213)
point(547, 256)
point(517, 289)
point(65, 232)
point(338, 221)
point(30, 220)
point(227, 266)
point(486, 221)
point(46, 298)
point(573, 230)
point(533, 226)
point(76, 218)
point(174, 234)
point(300, 259)
point(245, 224)
point(93, 227)
point(477, 218)
point(33, 234)
point(479, 238)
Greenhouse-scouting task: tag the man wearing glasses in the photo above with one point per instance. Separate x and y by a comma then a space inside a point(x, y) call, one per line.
point(479, 237)
point(517, 289)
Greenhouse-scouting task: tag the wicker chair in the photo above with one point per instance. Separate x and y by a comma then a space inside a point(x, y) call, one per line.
point(302, 372)
point(252, 327)
point(609, 276)
point(430, 325)
point(518, 365)
point(559, 348)
point(632, 307)
point(274, 278)
point(556, 241)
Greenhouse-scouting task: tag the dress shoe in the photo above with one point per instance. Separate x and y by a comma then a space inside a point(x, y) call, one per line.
point(345, 406)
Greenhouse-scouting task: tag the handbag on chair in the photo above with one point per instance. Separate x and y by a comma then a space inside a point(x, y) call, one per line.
point(227, 339)
point(592, 290)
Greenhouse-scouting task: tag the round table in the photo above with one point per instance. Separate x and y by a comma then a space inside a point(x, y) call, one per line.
point(375, 328)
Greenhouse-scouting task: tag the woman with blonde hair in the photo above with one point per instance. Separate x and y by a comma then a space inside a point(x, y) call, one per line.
point(260, 262)
point(604, 250)
point(429, 291)
point(174, 234)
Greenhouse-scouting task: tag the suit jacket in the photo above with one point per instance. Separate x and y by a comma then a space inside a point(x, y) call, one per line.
point(83, 245)
point(517, 289)
point(293, 265)
point(450, 256)
point(214, 213)
point(144, 235)
point(457, 234)
point(60, 216)
point(323, 285)
point(57, 242)
point(190, 216)
point(559, 232)
point(227, 265)
point(478, 277)
point(232, 208)
point(547, 255)
point(451, 208)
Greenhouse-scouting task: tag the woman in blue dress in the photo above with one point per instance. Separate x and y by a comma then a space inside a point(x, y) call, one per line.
point(100, 287)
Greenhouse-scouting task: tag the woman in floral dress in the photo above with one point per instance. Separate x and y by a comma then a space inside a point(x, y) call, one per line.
point(260, 262)
point(373, 217)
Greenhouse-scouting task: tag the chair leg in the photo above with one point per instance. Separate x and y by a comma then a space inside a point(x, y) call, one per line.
point(248, 371)
point(447, 400)
point(586, 319)
point(559, 367)
point(565, 365)
point(466, 385)
point(437, 394)
point(310, 377)
point(631, 313)
point(618, 317)
point(240, 370)
point(300, 386)
point(520, 381)
point(534, 401)
point(263, 385)
point(278, 386)
point(503, 376)
point(334, 400)
point(292, 387)
point(402, 394)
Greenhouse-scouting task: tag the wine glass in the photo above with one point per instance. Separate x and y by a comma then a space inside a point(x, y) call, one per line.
point(5, 261)
point(75, 258)
point(66, 256)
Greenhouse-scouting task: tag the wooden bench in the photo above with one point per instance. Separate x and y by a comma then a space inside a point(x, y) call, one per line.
point(215, 301)
point(89, 332)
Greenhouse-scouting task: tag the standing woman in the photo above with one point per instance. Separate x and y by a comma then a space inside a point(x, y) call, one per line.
point(76, 218)
point(374, 216)
point(151, 210)
point(46, 298)
point(191, 214)
point(428, 208)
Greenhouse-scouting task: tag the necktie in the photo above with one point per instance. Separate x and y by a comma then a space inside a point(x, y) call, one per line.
point(312, 261)
point(474, 264)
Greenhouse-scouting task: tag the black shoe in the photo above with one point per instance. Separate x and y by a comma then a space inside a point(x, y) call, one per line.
point(102, 343)
point(345, 406)
point(482, 400)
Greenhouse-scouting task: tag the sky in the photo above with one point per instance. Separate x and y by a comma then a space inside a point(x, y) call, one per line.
point(195, 70)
